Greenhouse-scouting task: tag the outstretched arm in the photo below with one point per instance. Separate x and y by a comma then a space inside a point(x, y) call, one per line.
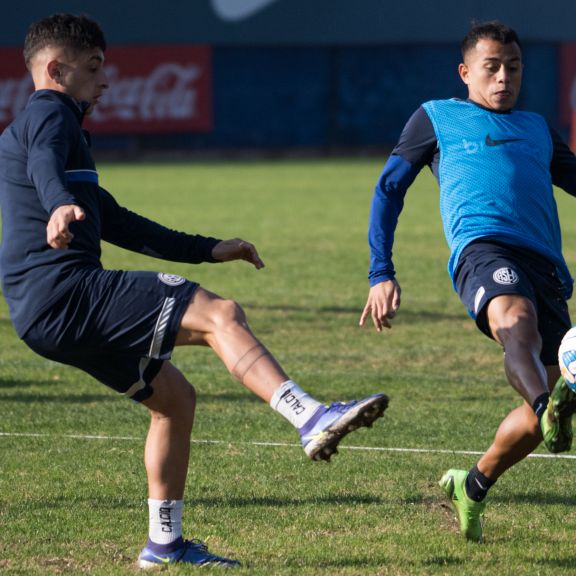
point(133, 232)
point(415, 149)
point(136, 233)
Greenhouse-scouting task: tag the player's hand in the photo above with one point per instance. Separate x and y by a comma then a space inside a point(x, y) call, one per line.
point(58, 234)
point(382, 304)
point(237, 249)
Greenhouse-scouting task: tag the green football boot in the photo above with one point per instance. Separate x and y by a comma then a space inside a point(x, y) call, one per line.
point(469, 512)
point(556, 422)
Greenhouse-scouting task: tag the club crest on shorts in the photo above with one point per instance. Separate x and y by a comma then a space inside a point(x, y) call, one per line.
point(505, 276)
point(171, 279)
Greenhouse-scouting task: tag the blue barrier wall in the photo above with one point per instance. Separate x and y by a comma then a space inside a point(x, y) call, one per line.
point(337, 97)
point(322, 74)
point(299, 22)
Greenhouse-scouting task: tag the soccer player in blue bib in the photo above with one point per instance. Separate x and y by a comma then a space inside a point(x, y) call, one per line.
point(496, 167)
point(120, 326)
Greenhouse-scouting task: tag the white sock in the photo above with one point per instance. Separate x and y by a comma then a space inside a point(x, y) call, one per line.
point(165, 520)
point(294, 404)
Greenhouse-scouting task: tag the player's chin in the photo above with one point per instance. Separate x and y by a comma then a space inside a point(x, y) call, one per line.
point(503, 102)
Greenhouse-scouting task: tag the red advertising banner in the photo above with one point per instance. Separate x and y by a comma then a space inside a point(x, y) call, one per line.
point(568, 89)
point(567, 82)
point(15, 84)
point(152, 88)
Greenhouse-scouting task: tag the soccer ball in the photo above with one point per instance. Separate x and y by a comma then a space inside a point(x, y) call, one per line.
point(567, 357)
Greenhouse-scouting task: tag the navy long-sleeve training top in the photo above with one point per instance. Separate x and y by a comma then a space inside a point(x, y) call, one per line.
point(45, 162)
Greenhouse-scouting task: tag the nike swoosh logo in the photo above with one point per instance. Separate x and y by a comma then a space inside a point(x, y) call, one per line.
point(479, 484)
point(490, 142)
point(238, 10)
point(163, 559)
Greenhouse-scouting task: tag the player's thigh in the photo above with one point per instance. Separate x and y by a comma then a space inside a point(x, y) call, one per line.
point(487, 272)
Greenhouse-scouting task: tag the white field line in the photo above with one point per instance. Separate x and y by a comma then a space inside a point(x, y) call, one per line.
point(279, 444)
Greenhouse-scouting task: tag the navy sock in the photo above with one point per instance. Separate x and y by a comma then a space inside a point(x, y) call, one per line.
point(540, 404)
point(477, 485)
point(165, 548)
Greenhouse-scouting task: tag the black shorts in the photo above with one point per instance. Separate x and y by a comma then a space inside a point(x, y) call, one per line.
point(487, 269)
point(117, 326)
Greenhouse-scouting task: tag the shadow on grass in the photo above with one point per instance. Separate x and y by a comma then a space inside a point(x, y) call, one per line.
point(105, 503)
point(24, 397)
point(280, 502)
point(334, 566)
point(27, 383)
point(4, 384)
point(228, 397)
point(443, 561)
point(35, 398)
point(413, 316)
point(287, 308)
point(95, 502)
point(409, 316)
point(569, 562)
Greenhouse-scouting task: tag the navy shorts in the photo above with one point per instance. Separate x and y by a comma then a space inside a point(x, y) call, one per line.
point(117, 326)
point(487, 269)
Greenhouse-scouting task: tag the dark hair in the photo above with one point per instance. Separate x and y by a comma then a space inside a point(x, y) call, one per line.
point(76, 32)
point(493, 30)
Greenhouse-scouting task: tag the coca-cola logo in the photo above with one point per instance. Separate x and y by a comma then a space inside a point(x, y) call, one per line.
point(154, 88)
point(167, 93)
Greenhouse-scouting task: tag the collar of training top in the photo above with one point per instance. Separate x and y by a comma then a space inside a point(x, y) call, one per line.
point(79, 108)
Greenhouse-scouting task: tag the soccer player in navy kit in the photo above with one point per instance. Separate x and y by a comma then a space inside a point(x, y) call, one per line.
point(119, 326)
point(496, 167)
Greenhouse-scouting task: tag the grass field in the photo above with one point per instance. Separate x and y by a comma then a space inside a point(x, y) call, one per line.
point(72, 489)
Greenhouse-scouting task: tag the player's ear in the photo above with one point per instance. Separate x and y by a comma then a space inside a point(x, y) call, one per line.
point(463, 71)
point(54, 71)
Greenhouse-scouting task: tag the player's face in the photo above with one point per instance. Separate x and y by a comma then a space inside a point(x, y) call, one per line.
point(493, 73)
point(82, 76)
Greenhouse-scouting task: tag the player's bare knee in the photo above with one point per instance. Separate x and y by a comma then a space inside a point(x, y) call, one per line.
point(517, 327)
point(228, 313)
